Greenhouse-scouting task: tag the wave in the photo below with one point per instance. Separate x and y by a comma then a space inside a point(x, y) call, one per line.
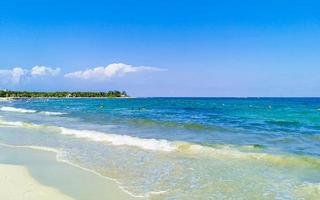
point(21, 110)
point(114, 139)
point(13, 109)
point(148, 144)
point(227, 152)
point(223, 152)
point(18, 124)
point(52, 113)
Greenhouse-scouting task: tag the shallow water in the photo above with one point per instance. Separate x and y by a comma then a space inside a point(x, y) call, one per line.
point(180, 148)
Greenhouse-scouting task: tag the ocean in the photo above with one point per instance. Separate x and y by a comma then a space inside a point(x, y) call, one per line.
point(179, 148)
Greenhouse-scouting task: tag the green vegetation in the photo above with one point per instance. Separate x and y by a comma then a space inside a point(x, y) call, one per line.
point(25, 94)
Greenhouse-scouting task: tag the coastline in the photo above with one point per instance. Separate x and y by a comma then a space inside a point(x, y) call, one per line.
point(12, 98)
point(62, 94)
point(37, 174)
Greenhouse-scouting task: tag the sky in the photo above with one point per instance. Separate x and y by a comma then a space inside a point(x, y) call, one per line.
point(162, 48)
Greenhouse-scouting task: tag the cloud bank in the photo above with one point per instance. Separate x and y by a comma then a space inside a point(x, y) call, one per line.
point(14, 75)
point(111, 70)
point(44, 71)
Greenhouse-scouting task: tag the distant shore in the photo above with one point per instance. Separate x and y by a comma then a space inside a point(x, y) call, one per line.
point(9, 98)
point(65, 94)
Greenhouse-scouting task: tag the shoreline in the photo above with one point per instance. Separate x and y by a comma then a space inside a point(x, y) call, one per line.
point(12, 98)
point(17, 183)
point(70, 181)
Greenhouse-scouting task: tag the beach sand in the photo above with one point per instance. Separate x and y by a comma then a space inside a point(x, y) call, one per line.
point(16, 184)
point(34, 174)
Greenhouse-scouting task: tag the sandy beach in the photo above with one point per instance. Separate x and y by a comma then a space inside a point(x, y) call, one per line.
point(36, 175)
point(16, 183)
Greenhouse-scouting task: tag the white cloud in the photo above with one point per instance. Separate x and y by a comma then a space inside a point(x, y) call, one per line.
point(112, 70)
point(12, 76)
point(44, 71)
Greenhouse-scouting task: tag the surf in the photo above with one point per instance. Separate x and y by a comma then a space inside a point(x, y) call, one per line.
point(117, 140)
point(223, 152)
point(19, 110)
point(29, 111)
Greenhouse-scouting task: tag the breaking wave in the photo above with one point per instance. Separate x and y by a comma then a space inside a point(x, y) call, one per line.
point(21, 110)
point(52, 113)
point(148, 144)
point(13, 109)
point(223, 152)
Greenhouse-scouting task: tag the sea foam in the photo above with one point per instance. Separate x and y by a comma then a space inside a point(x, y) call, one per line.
point(114, 139)
point(13, 109)
point(223, 152)
point(52, 113)
point(149, 144)
point(18, 124)
point(21, 110)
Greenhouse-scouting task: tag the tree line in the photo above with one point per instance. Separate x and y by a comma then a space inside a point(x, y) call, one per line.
point(27, 94)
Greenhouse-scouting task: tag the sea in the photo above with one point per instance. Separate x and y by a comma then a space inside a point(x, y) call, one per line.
point(179, 148)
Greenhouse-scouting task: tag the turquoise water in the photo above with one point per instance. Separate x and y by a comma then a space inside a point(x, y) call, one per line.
point(180, 148)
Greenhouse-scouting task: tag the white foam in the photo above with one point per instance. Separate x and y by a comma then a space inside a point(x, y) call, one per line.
point(149, 144)
point(118, 140)
point(223, 152)
point(53, 113)
point(18, 124)
point(13, 109)
point(21, 110)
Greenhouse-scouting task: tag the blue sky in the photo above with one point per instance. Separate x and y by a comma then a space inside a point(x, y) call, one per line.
point(162, 48)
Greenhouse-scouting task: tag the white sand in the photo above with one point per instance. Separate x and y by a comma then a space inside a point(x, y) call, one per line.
point(16, 184)
point(32, 174)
